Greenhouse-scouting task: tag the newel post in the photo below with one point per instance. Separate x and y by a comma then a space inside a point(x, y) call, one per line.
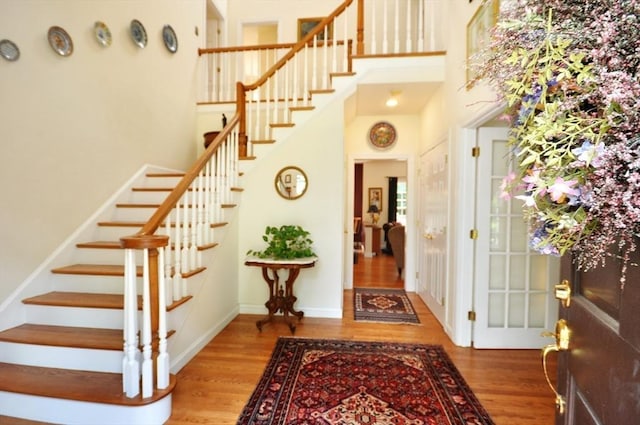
point(152, 331)
point(241, 107)
point(360, 29)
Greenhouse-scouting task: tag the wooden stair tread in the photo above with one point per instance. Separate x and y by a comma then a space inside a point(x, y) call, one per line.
point(94, 269)
point(100, 245)
point(79, 299)
point(121, 223)
point(322, 91)
point(116, 245)
point(281, 124)
point(95, 387)
point(168, 174)
point(10, 420)
point(64, 336)
point(91, 300)
point(263, 142)
point(137, 205)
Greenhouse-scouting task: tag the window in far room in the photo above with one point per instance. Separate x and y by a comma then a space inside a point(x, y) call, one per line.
point(401, 201)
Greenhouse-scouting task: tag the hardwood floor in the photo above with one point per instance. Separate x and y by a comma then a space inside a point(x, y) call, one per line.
point(214, 387)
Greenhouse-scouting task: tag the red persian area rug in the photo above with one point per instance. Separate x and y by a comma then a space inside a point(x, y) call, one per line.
point(383, 305)
point(316, 381)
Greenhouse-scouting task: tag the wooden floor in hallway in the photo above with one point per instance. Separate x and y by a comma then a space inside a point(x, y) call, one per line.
point(214, 387)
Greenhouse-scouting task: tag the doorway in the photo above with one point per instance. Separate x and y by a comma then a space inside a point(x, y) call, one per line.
point(374, 265)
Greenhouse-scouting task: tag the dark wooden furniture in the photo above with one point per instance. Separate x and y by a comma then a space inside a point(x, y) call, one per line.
point(281, 298)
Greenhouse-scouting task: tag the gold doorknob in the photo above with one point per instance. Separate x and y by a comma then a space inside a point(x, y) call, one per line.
point(428, 236)
point(562, 336)
point(563, 293)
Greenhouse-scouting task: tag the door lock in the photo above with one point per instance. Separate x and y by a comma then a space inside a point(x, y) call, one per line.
point(562, 336)
point(563, 293)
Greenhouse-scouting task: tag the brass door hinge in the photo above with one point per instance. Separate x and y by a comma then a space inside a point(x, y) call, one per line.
point(471, 315)
point(473, 234)
point(475, 151)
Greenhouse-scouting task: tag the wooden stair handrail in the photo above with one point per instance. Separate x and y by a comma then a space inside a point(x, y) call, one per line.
point(298, 46)
point(172, 199)
point(211, 50)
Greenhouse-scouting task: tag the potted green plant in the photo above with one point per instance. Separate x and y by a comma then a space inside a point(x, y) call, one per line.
point(284, 243)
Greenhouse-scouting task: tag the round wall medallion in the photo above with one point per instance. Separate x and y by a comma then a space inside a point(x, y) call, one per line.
point(382, 134)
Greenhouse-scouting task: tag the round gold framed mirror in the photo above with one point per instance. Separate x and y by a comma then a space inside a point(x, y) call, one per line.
point(291, 182)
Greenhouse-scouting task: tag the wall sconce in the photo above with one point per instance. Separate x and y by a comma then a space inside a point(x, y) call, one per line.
point(392, 101)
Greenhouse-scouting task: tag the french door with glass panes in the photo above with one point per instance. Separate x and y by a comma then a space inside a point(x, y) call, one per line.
point(513, 300)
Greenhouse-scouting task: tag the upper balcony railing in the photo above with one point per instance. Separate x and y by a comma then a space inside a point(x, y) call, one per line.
point(365, 28)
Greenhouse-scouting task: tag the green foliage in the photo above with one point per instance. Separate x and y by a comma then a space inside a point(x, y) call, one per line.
point(284, 243)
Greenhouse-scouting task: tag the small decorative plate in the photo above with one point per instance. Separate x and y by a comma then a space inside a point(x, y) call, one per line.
point(102, 32)
point(382, 135)
point(170, 39)
point(9, 50)
point(60, 41)
point(138, 33)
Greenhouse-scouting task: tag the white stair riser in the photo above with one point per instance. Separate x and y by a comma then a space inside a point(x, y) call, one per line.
point(61, 357)
point(146, 197)
point(89, 284)
point(160, 181)
point(73, 316)
point(71, 412)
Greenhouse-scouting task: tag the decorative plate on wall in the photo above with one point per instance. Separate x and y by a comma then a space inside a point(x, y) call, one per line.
point(170, 39)
point(9, 50)
point(138, 33)
point(382, 134)
point(60, 41)
point(102, 32)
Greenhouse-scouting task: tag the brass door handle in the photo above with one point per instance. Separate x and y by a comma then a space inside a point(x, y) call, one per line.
point(562, 336)
point(563, 293)
point(428, 236)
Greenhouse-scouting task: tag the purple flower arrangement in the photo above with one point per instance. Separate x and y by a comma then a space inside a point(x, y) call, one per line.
point(569, 74)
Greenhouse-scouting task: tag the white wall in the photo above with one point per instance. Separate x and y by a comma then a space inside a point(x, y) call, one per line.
point(317, 148)
point(285, 13)
point(76, 128)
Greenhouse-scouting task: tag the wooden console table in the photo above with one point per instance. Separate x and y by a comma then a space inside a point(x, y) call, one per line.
point(281, 299)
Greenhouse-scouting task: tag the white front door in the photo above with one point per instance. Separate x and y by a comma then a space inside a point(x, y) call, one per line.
point(432, 224)
point(513, 300)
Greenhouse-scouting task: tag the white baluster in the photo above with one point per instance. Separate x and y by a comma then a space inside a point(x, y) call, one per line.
point(167, 261)
point(307, 97)
point(396, 29)
point(207, 204)
point(147, 363)
point(314, 66)
point(408, 25)
point(276, 96)
point(163, 355)
point(421, 25)
point(218, 188)
point(385, 28)
point(184, 254)
point(345, 46)
point(193, 228)
point(374, 26)
point(177, 250)
point(130, 365)
point(325, 59)
point(296, 80)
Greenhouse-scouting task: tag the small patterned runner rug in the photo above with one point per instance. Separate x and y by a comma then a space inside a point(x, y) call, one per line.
point(331, 382)
point(383, 305)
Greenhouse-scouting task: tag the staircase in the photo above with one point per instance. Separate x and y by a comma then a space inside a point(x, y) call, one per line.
point(61, 353)
point(64, 363)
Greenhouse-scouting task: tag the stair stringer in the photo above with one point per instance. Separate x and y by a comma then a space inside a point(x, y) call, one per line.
point(199, 328)
point(374, 70)
point(12, 310)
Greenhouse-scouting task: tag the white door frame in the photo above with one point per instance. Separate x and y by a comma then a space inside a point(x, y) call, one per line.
point(460, 298)
point(410, 248)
